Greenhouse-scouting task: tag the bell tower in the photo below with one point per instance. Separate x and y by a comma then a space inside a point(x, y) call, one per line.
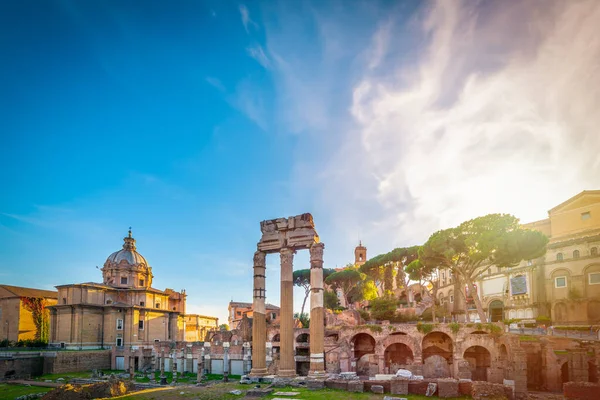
point(360, 254)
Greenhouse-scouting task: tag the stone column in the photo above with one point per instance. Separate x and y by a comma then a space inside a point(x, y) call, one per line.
point(287, 364)
point(317, 324)
point(259, 322)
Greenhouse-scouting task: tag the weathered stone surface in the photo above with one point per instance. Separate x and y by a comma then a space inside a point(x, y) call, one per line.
point(581, 391)
point(394, 398)
point(465, 387)
point(356, 386)
point(448, 388)
point(399, 385)
point(485, 390)
point(431, 389)
point(257, 392)
point(286, 394)
point(377, 389)
point(315, 384)
point(418, 387)
point(336, 384)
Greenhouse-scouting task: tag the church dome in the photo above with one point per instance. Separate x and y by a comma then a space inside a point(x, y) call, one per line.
point(127, 267)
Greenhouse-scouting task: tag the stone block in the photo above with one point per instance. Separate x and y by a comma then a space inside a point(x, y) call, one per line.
point(448, 388)
point(581, 391)
point(418, 387)
point(258, 392)
point(315, 384)
point(356, 386)
point(399, 386)
point(370, 383)
point(377, 389)
point(431, 389)
point(485, 390)
point(394, 398)
point(336, 384)
point(465, 387)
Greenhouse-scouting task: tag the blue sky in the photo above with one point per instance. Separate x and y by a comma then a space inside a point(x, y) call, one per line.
point(192, 121)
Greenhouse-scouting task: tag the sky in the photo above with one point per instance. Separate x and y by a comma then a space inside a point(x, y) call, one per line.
point(192, 121)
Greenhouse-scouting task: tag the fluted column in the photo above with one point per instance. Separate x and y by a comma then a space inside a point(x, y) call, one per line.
point(317, 324)
point(259, 324)
point(287, 364)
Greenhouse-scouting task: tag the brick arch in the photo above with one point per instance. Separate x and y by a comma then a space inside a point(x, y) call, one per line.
point(274, 335)
point(412, 342)
point(486, 341)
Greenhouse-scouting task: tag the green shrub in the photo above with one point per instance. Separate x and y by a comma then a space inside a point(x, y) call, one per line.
point(542, 319)
point(364, 314)
point(374, 328)
point(427, 315)
point(493, 328)
point(383, 308)
point(424, 327)
point(454, 327)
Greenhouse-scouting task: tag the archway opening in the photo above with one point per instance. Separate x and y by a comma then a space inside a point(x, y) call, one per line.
point(592, 372)
point(496, 311)
point(479, 360)
point(276, 338)
point(560, 312)
point(593, 311)
point(303, 338)
point(364, 354)
point(437, 355)
point(564, 373)
point(397, 356)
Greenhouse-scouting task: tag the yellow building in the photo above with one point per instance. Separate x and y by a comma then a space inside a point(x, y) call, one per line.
point(124, 312)
point(564, 284)
point(16, 312)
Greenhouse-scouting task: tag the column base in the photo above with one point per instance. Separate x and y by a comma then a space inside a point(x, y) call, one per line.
point(317, 374)
point(286, 373)
point(258, 372)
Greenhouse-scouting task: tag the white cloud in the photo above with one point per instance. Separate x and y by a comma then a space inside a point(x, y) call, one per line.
point(464, 109)
point(246, 20)
point(488, 120)
point(259, 55)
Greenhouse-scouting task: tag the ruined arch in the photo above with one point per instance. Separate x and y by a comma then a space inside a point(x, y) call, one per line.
point(303, 338)
point(479, 359)
point(437, 350)
point(564, 373)
point(276, 338)
point(364, 354)
point(397, 356)
point(592, 372)
point(496, 311)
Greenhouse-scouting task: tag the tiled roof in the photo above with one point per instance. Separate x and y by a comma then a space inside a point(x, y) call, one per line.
point(29, 292)
point(249, 305)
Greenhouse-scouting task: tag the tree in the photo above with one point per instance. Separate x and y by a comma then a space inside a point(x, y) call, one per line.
point(330, 300)
point(224, 327)
point(384, 267)
point(347, 280)
point(384, 308)
point(418, 270)
point(304, 319)
point(474, 246)
point(302, 278)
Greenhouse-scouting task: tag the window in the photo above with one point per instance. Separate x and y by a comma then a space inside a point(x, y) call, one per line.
point(576, 254)
point(119, 324)
point(586, 215)
point(594, 251)
point(141, 325)
point(157, 305)
point(594, 278)
point(559, 256)
point(273, 315)
point(123, 280)
point(141, 282)
point(156, 340)
point(142, 303)
point(64, 300)
point(119, 342)
point(560, 282)
point(239, 313)
point(451, 298)
point(62, 345)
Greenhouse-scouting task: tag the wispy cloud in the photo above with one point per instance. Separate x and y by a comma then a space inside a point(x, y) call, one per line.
point(246, 20)
point(259, 55)
point(485, 107)
point(216, 83)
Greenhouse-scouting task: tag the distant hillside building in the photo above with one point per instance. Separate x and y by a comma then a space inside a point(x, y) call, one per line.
point(16, 313)
point(124, 312)
point(237, 311)
point(564, 284)
point(360, 254)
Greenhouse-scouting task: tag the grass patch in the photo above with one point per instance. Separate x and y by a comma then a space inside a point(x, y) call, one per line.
point(221, 391)
point(528, 338)
point(14, 391)
point(66, 376)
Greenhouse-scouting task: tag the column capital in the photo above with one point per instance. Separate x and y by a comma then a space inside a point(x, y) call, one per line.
point(259, 259)
point(287, 256)
point(316, 252)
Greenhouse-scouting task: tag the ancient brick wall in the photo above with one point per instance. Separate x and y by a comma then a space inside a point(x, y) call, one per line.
point(73, 361)
point(21, 367)
point(581, 391)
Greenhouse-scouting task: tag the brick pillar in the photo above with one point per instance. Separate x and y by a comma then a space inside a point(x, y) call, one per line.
point(287, 364)
point(259, 322)
point(520, 372)
point(578, 367)
point(317, 314)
